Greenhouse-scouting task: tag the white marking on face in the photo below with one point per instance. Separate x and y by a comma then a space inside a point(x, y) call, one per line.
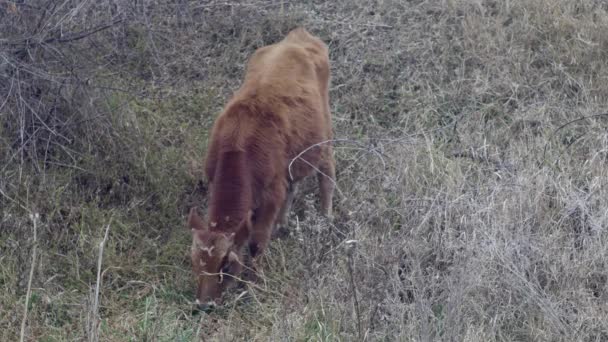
point(209, 250)
point(227, 218)
point(213, 224)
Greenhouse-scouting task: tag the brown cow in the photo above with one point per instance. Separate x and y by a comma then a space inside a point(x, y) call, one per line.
point(280, 111)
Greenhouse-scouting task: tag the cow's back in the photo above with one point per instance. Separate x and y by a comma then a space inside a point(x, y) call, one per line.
point(280, 110)
point(291, 77)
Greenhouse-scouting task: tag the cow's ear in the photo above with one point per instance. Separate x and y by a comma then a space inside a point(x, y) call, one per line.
point(195, 222)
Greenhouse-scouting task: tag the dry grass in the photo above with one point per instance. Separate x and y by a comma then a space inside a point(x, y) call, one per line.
point(474, 199)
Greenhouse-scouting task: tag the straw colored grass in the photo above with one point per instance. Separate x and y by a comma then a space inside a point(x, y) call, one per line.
point(472, 152)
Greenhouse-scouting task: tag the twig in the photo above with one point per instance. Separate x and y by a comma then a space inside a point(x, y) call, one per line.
point(94, 312)
point(34, 218)
point(309, 148)
point(247, 282)
point(299, 156)
point(321, 172)
point(68, 38)
point(8, 95)
point(351, 246)
point(566, 124)
point(12, 200)
point(386, 140)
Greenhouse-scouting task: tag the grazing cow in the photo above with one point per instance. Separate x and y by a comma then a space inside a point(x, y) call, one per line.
point(280, 111)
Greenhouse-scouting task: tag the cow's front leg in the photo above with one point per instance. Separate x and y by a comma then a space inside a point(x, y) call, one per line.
point(265, 218)
point(280, 228)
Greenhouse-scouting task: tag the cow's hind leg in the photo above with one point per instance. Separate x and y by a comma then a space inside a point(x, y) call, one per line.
point(326, 179)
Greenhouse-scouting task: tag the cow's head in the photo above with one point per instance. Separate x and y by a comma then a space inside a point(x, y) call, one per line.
point(216, 258)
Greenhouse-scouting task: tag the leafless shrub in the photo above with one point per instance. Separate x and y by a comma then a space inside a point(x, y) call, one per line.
point(45, 78)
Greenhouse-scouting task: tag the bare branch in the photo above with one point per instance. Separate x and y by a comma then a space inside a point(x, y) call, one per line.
point(34, 218)
point(94, 313)
point(83, 34)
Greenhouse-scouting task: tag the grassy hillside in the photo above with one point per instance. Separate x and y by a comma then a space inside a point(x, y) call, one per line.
point(472, 171)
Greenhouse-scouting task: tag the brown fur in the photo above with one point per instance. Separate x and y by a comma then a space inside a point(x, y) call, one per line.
point(281, 109)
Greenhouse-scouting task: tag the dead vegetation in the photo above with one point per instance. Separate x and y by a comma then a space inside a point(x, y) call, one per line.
point(472, 171)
